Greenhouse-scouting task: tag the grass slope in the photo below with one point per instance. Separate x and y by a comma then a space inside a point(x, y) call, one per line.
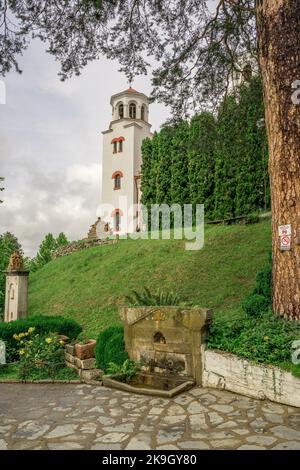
point(89, 285)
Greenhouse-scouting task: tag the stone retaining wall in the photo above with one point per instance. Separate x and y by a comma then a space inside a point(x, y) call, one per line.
point(229, 372)
point(86, 368)
point(77, 246)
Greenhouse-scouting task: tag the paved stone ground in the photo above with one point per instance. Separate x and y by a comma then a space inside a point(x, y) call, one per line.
point(88, 417)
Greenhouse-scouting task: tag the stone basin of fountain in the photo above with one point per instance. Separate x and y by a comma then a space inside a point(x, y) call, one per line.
point(154, 384)
point(169, 342)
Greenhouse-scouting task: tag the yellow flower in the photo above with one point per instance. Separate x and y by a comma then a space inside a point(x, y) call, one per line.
point(48, 340)
point(16, 337)
point(22, 352)
point(31, 329)
point(21, 335)
point(266, 338)
point(61, 342)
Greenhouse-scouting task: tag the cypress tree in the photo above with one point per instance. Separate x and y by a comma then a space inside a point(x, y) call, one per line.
point(252, 180)
point(164, 166)
point(226, 160)
point(201, 155)
point(179, 153)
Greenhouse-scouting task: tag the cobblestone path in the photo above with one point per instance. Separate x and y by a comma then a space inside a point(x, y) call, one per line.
point(88, 417)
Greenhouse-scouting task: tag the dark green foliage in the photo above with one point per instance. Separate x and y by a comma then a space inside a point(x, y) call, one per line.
point(110, 347)
point(179, 193)
point(42, 324)
point(61, 240)
point(125, 372)
point(227, 160)
point(164, 166)
point(8, 244)
point(252, 181)
point(148, 169)
point(219, 162)
point(264, 282)
point(46, 250)
point(148, 298)
point(265, 338)
point(261, 297)
point(255, 304)
point(201, 155)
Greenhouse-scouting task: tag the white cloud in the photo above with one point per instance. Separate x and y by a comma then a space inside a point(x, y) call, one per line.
point(50, 146)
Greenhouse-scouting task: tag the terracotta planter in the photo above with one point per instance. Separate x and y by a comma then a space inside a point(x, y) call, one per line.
point(85, 351)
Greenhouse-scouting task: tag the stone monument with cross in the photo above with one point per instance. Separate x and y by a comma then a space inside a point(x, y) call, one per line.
point(16, 292)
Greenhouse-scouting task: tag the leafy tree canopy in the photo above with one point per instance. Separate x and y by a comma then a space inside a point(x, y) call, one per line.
point(198, 46)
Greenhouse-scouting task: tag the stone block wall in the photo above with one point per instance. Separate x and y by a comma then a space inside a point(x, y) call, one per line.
point(167, 339)
point(228, 372)
point(85, 368)
point(77, 246)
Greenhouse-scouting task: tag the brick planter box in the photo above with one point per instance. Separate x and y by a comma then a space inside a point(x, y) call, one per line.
point(84, 367)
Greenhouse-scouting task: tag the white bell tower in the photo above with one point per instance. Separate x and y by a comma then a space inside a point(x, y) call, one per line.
point(121, 163)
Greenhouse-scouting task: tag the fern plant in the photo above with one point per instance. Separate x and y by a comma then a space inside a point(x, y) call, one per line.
point(124, 372)
point(148, 298)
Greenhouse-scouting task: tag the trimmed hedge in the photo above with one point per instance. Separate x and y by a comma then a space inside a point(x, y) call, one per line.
point(260, 299)
point(42, 324)
point(110, 347)
point(264, 283)
point(255, 304)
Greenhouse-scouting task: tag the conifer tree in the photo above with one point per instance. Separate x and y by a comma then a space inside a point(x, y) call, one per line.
point(61, 240)
point(179, 178)
point(201, 154)
point(164, 166)
point(252, 181)
point(226, 160)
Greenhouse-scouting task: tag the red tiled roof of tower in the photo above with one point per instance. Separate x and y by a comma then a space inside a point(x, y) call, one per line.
point(132, 90)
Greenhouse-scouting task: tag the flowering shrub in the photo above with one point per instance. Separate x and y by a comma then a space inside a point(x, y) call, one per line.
point(39, 352)
point(43, 325)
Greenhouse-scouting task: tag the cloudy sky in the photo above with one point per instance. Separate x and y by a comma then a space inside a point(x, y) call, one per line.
point(51, 145)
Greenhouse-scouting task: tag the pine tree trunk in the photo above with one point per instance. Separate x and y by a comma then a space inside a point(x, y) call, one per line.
point(278, 25)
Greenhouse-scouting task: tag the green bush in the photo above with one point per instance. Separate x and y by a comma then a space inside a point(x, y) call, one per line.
point(148, 298)
point(255, 304)
point(264, 339)
point(125, 372)
point(264, 283)
point(110, 347)
point(39, 352)
point(42, 325)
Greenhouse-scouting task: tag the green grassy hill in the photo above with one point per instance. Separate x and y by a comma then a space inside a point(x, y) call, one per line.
point(89, 285)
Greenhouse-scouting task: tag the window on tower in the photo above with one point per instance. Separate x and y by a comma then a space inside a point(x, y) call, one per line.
point(117, 143)
point(143, 113)
point(117, 182)
point(121, 111)
point(132, 111)
point(117, 179)
point(117, 221)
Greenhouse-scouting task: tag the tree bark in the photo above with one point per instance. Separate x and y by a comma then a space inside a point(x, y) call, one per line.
point(278, 27)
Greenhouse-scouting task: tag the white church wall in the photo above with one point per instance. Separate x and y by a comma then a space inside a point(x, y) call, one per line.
point(128, 162)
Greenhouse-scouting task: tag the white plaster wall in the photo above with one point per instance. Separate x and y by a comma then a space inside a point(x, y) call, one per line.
point(18, 306)
point(128, 161)
point(228, 372)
